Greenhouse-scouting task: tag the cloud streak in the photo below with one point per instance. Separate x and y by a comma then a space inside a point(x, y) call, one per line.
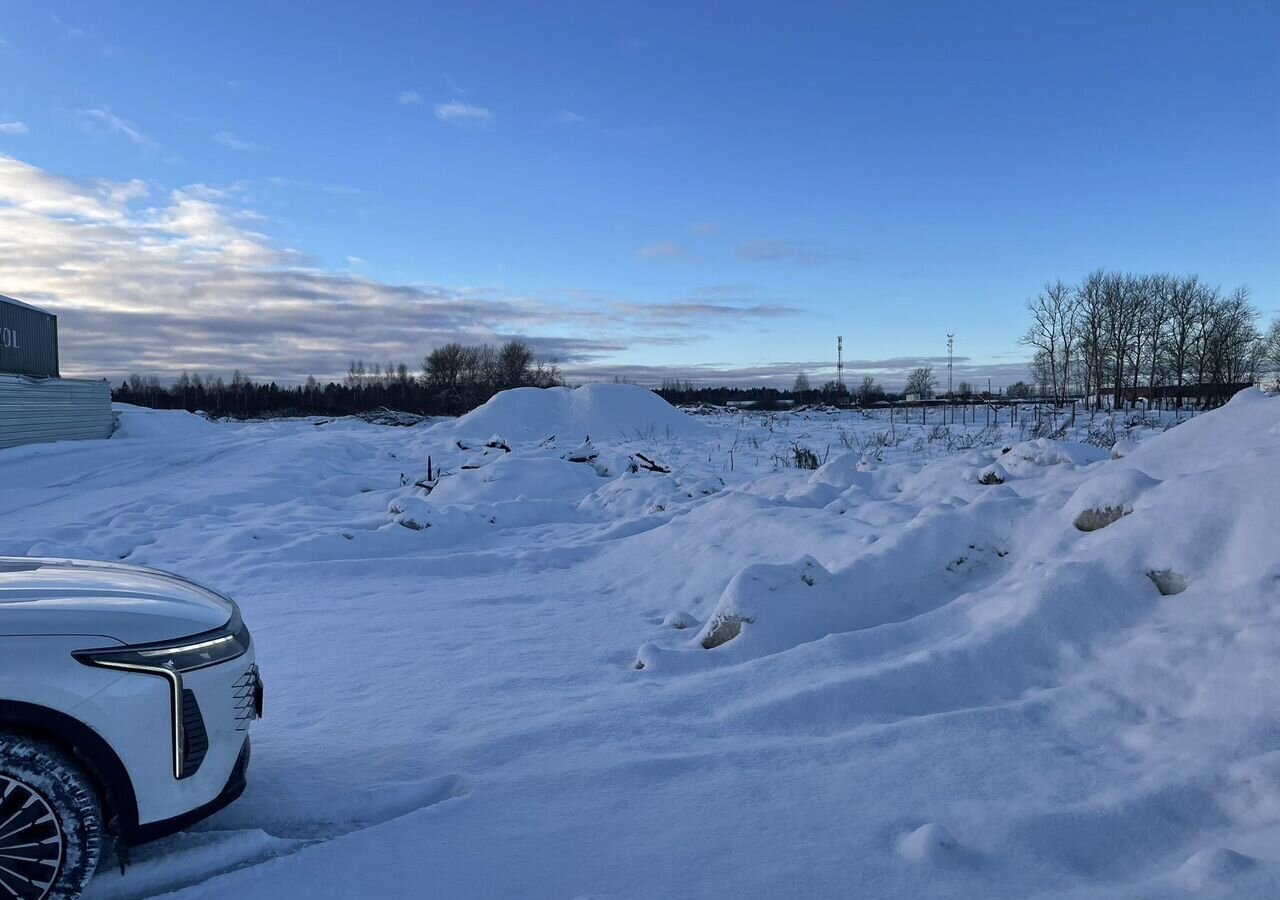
point(103, 121)
point(660, 250)
point(155, 283)
point(804, 253)
point(463, 115)
point(231, 140)
point(14, 128)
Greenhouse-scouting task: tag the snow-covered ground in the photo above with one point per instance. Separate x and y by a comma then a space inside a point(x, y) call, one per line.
point(924, 678)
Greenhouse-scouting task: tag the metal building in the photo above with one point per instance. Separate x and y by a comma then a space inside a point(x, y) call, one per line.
point(35, 404)
point(28, 340)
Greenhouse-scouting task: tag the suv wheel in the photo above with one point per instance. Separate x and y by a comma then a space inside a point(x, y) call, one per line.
point(50, 822)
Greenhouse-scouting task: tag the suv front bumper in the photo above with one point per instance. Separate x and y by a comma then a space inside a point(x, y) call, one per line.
point(236, 783)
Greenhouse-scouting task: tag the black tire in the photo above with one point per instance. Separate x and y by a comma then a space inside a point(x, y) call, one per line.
point(50, 822)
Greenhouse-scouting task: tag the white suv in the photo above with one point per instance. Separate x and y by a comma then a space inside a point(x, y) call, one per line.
point(125, 701)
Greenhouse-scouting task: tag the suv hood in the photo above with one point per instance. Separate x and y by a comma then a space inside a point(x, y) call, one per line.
point(130, 604)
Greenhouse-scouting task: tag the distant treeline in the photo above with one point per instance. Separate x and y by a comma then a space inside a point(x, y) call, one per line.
point(1116, 337)
point(453, 380)
point(864, 391)
point(1113, 339)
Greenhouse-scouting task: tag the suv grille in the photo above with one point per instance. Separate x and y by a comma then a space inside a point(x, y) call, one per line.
point(195, 740)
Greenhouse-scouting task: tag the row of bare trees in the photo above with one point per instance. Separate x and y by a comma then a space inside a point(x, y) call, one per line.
point(1116, 335)
point(470, 375)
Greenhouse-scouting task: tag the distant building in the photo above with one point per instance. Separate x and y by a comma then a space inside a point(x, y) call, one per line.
point(36, 405)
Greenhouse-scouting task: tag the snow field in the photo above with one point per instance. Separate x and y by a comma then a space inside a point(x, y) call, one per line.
point(534, 677)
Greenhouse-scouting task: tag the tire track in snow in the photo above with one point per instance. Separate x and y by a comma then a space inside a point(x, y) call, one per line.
point(199, 856)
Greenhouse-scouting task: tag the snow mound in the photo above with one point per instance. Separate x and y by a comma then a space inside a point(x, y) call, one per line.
point(512, 476)
point(793, 617)
point(418, 514)
point(679, 620)
point(600, 411)
point(1212, 866)
point(137, 422)
point(1025, 458)
point(1108, 496)
point(928, 843)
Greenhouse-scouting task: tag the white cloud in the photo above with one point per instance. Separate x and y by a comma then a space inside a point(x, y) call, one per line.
point(660, 250)
point(568, 117)
point(28, 190)
point(356, 261)
point(103, 121)
point(14, 128)
point(408, 98)
point(69, 33)
point(181, 281)
point(804, 253)
point(230, 139)
point(464, 115)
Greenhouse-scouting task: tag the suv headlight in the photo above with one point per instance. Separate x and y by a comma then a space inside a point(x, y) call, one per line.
point(184, 655)
point(169, 659)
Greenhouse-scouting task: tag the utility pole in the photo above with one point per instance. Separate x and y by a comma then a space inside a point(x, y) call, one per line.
point(839, 364)
point(951, 346)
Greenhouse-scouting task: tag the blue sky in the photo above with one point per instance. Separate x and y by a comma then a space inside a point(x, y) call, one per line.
point(724, 185)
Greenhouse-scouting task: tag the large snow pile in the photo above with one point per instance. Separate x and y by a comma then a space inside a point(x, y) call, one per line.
point(608, 411)
point(159, 424)
point(719, 676)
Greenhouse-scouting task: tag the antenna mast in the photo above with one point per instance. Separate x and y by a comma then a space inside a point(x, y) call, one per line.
point(951, 346)
point(840, 363)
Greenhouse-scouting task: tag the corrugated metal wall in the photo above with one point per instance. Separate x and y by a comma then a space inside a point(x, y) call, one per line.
point(52, 409)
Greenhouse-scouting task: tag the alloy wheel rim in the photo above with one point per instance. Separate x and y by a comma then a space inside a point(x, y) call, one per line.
point(31, 842)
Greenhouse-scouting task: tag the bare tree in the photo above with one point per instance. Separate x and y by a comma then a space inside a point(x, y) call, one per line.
point(1054, 333)
point(921, 382)
point(1091, 332)
point(1225, 345)
point(1141, 299)
point(1164, 289)
point(868, 390)
point(547, 375)
point(442, 368)
point(1271, 348)
point(1042, 373)
point(1122, 301)
point(1236, 352)
point(1182, 311)
point(515, 364)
